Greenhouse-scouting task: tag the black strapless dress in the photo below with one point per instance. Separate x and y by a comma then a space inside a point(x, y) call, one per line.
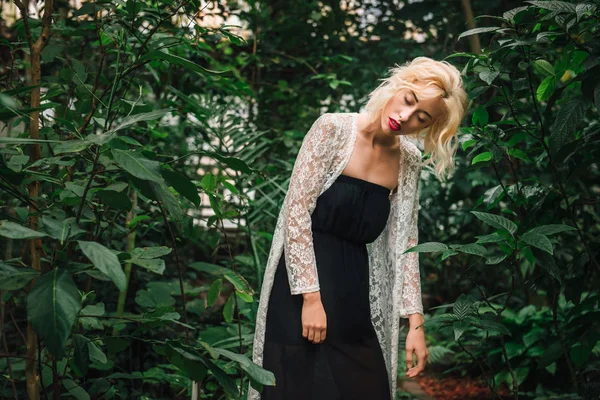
point(349, 364)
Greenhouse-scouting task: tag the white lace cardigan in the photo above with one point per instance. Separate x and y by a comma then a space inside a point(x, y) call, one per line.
point(395, 285)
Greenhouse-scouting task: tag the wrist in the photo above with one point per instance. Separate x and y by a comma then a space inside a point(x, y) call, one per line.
point(311, 297)
point(415, 320)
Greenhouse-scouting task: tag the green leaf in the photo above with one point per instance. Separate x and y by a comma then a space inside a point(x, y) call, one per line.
point(61, 230)
point(187, 360)
point(544, 67)
point(510, 14)
point(428, 247)
point(168, 200)
point(551, 229)
point(258, 373)
point(213, 291)
point(537, 240)
point(489, 76)
point(546, 88)
point(137, 118)
point(96, 354)
point(239, 282)
point(17, 161)
point(480, 116)
point(75, 390)
point(565, 124)
point(486, 156)
point(493, 260)
point(463, 307)
point(81, 355)
point(157, 266)
point(493, 326)
point(173, 59)
point(561, 6)
point(106, 261)
point(71, 146)
point(496, 221)
point(229, 308)
point(472, 248)
point(15, 231)
point(114, 199)
point(225, 381)
point(150, 252)
point(182, 185)
point(212, 269)
point(477, 31)
point(459, 327)
point(52, 307)
point(12, 278)
point(138, 166)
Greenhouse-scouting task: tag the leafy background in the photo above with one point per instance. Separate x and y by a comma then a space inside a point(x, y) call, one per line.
point(146, 148)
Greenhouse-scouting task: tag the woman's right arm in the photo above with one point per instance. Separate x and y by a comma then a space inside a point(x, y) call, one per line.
point(308, 177)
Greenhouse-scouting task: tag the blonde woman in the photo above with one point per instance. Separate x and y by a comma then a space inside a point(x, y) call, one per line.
point(338, 279)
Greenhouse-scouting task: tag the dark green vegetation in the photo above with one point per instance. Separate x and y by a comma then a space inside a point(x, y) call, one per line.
point(144, 158)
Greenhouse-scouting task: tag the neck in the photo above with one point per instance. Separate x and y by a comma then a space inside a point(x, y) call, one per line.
point(372, 132)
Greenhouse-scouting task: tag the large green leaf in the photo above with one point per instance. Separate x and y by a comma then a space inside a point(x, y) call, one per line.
point(540, 241)
point(182, 185)
point(12, 278)
point(52, 307)
point(138, 165)
point(225, 380)
point(259, 374)
point(551, 229)
point(496, 221)
point(12, 230)
point(114, 199)
point(429, 247)
point(136, 118)
point(168, 200)
point(61, 230)
point(565, 124)
point(187, 360)
point(81, 355)
point(105, 260)
point(173, 59)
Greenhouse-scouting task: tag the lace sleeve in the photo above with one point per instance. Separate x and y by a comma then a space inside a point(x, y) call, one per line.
point(411, 301)
point(308, 176)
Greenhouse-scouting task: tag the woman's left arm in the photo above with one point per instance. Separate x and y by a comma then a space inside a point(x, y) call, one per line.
point(411, 304)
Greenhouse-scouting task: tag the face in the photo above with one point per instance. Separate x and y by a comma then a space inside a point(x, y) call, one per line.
point(406, 114)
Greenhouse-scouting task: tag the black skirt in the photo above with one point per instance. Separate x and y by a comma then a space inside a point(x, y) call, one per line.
point(349, 364)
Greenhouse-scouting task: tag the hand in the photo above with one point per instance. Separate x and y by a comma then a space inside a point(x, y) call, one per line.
point(415, 343)
point(314, 319)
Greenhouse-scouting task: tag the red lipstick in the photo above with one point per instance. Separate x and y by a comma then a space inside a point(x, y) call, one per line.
point(394, 125)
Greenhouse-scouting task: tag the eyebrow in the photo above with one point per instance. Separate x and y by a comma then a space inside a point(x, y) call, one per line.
point(417, 100)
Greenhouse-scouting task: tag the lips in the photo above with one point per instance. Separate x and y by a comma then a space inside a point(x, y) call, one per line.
point(394, 125)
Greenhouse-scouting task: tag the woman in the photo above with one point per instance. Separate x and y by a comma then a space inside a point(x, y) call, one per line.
point(338, 279)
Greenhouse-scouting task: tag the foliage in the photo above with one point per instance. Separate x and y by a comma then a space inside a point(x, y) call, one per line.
point(149, 118)
point(528, 312)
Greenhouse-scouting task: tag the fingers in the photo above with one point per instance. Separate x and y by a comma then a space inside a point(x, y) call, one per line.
point(314, 335)
point(409, 358)
point(422, 357)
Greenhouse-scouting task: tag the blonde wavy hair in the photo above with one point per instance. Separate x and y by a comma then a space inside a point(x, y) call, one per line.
point(428, 78)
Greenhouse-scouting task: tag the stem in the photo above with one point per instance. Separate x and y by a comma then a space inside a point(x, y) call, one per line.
point(482, 369)
point(130, 247)
point(174, 244)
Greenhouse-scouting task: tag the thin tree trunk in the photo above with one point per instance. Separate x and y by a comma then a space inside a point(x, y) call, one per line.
point(34, 78)
point(473, 39)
